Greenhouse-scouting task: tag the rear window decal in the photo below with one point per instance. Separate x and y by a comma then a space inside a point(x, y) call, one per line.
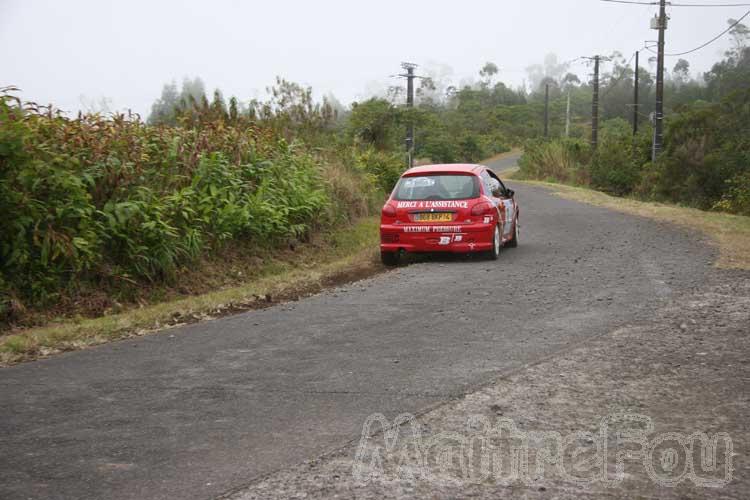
point(415, 182)
point(433, 204)
point(432, 229)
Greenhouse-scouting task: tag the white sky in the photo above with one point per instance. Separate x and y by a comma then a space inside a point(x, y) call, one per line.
point(59, 50)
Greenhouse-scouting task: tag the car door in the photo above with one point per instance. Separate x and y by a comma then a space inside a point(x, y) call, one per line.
point(511, 209)
point(493, 189)
point(507, 205)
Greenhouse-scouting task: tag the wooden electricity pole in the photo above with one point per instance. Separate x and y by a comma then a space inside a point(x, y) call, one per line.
point(546, 110)
point(661, 25)
point(567, 117)
point(410, 76)
point(635, 98)
point(595, 107)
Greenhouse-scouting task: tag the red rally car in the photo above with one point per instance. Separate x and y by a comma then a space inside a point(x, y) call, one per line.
point(450, 208)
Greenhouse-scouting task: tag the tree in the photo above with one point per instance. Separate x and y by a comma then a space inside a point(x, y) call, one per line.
point(163, 109)
point(376, 122)
point(218, 106)
point(550, 68)
point(234, 111)
point(194, 88)
point(570, 80)
point(554, 88)
point(172, 105)
point(426, 92)
point(681, 72)
point(292, 111)
point(488, 72)
point(739, 33)
point(732, 73)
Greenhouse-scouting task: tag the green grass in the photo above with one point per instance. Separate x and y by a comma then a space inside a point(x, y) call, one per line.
point(729, 233)
point(339, 256)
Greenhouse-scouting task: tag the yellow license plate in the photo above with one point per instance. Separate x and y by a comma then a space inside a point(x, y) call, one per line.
point(436, 217)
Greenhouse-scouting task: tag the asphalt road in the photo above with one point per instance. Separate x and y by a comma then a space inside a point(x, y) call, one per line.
point(193, 412)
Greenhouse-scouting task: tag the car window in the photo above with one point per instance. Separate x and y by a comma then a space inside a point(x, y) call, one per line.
point(486, 181)
point(437, 187)
point(492, 175)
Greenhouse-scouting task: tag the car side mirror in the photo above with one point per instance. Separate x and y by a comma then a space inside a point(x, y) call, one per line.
point(495, 188)
point(509, 193)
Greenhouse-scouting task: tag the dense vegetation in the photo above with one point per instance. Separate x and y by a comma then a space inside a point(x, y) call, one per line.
point(111, 202)
point(706, 157)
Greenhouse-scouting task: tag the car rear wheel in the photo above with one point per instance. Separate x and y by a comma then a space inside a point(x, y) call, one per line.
point(514, 242)
point(496, 244)
point(390, 258)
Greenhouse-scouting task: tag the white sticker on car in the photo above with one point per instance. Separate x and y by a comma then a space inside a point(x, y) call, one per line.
point(433, 204)
point(432, 229)
point(509, 216)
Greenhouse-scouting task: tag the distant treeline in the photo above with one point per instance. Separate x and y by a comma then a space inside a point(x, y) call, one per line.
point(706, 158)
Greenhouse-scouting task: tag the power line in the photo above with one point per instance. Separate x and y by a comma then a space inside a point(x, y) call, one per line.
point(633, 2)
point(709, 4)
point(628, 1)
point(708, 42)
point(571, 61)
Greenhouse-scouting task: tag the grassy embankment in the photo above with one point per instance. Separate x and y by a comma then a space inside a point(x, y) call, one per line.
point(730, 233)
point(338, 256)
point(113, 227)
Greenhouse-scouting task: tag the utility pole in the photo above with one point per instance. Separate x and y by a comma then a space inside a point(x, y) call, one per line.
point(635, 98)
point(595, 106)
point(567, 117)
point(410, 76)
point(661, 25)
point(546, 110)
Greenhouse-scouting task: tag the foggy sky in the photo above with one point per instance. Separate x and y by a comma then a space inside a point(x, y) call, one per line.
point(59, 50)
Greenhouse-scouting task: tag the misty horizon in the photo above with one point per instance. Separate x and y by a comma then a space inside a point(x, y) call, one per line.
point(86, 55)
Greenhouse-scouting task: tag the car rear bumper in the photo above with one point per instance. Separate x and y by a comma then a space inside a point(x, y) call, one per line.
point(436, 238)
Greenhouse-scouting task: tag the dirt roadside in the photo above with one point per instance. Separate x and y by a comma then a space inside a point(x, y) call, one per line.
point(684, 370)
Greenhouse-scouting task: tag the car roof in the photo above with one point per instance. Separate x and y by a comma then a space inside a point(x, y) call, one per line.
point(462, 168)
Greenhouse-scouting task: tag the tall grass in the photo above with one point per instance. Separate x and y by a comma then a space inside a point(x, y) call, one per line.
point(560, 160)
point(104, 200)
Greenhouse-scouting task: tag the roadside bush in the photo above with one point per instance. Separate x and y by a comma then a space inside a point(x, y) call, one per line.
point(616, 165)
point(438, 146)
point(351, 193)
point(386, 167)
point(96, 199)
point(705, 162)
point(493, 144)
point(737, 197)
point(561, 160)
point(707, 155)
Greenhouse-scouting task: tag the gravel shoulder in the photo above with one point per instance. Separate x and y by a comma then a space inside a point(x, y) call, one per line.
point(685, 369)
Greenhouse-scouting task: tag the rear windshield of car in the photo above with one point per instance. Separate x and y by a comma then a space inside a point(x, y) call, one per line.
point(437, 187)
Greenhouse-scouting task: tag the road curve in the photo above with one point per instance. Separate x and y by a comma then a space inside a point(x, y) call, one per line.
point(193, 412)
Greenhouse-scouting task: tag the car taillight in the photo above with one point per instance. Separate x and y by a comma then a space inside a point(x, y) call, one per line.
point(481, 208)
point(389, 211)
